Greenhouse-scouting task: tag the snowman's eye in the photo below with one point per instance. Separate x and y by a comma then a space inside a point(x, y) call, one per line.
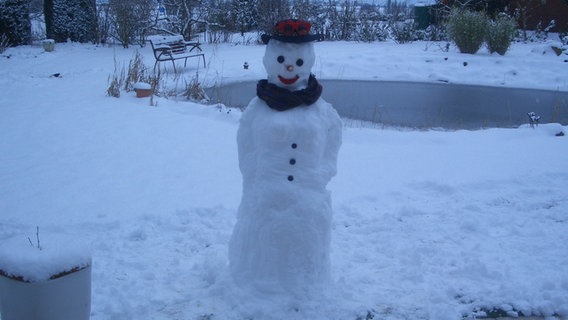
point(280, 59)
point(299, 62)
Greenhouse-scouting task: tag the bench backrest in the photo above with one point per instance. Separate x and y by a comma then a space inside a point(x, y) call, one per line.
point(175, 42)
point(158, 40)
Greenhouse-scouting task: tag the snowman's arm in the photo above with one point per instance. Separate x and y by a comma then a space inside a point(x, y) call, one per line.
point(333, 142)
point(245, 143)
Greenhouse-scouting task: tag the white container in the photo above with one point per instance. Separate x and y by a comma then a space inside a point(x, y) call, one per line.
point(48, 45)
point(66, 297)
point(48, 280)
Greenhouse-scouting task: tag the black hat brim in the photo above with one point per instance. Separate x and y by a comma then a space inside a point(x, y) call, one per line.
point(294, 39)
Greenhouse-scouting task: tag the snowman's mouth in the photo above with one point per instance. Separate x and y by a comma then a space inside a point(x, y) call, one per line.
point(288, 81)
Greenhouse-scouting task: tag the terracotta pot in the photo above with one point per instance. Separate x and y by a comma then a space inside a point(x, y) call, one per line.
point(64, 296)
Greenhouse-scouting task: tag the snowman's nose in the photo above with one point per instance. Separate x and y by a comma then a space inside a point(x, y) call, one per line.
point(290, 68)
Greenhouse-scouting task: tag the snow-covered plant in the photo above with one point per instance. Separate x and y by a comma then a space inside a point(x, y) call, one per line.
point(541, 33)
point(563, 37)
point(467, 29)
point(435, 33)
point(403, 32)
point(136, 72)
point(113, 89)
point(500, 33)
point(115, 81)
point(370, 27)
point(382, 32)
point(123, 79)
point(194, 91)
point(369, 31)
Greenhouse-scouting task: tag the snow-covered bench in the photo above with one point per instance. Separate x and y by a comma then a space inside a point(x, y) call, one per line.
point(171, 48)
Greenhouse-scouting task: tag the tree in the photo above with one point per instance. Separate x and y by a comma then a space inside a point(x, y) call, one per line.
point(75, 20)
point(130, 18)
point(243, 15)
point(15, 24)
point(189, 14)
point(270, 12)
point(342, 20)
point(312, 11)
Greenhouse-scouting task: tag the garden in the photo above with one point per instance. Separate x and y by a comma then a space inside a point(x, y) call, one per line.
point(428, 223)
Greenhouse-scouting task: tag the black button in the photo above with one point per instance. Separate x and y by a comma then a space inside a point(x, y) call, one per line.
point(294, 146)
point(290, 178)
point(292, 161)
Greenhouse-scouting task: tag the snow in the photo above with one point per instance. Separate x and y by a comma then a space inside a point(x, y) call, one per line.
point(523, 66)
point(142, 86)
point(56, 254)
point(426, 224)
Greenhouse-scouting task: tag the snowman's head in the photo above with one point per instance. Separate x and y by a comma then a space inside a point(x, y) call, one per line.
point(288, 64)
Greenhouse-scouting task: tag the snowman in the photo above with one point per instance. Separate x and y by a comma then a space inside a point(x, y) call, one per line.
point(288, 140)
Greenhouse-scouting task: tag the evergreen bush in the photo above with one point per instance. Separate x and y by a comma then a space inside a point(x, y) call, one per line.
point(500, 33)
point(74, 20)
point(15, 25)
point(467, 29)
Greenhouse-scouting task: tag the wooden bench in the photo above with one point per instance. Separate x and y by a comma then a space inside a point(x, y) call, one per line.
point(171, 48)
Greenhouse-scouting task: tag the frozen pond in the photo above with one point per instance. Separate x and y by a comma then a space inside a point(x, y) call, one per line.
point(424, 105)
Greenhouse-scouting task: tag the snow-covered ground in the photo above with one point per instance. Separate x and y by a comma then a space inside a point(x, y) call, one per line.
point(427, 224)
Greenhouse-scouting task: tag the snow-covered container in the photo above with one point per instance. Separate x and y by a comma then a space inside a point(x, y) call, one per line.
point(142, 89)
point(50, 281)
point(48, 45)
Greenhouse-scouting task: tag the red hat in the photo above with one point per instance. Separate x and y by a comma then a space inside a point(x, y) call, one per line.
point(292, 30)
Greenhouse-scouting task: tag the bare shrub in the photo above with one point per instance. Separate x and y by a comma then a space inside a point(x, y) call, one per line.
point(193, 90)
point(137, 72)
point(130, 17)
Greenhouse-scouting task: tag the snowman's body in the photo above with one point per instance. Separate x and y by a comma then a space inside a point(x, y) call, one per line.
point(282, 237)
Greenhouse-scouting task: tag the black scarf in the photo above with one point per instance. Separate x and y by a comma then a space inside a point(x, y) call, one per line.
point(282, 99)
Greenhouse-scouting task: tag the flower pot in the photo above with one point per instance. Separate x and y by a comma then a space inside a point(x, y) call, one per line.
point(143, 93)
point(65, 297)
point(48, 45)
point(47, 282)
point(142, 89)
